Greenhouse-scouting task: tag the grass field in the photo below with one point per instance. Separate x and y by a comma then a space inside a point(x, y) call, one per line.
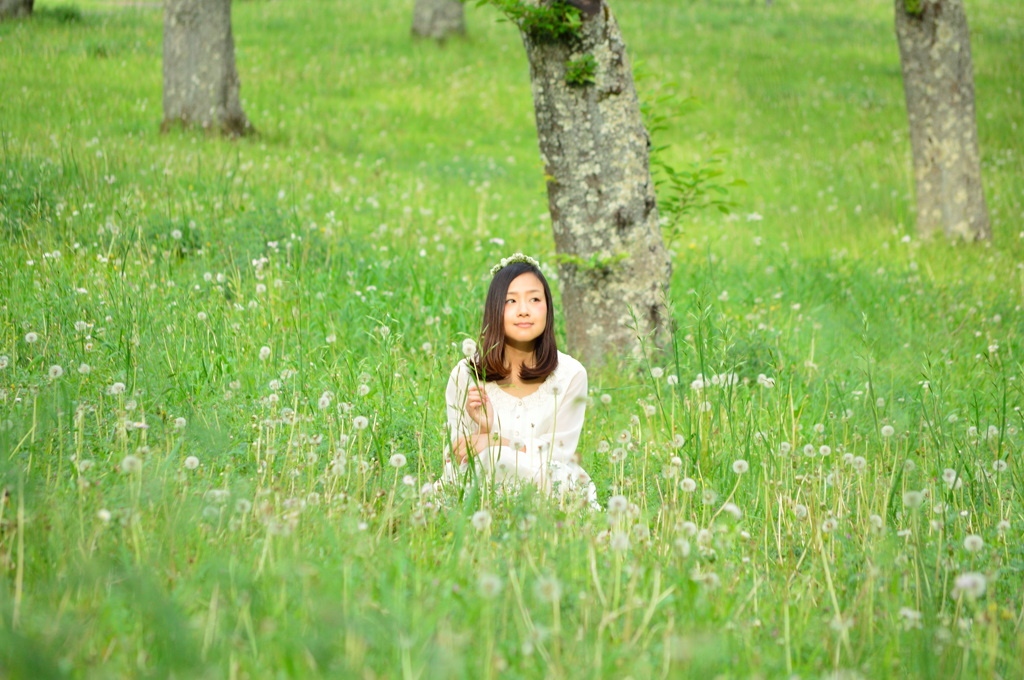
point(193, 330)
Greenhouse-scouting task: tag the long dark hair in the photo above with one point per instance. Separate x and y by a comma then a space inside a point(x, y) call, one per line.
point(489, 363)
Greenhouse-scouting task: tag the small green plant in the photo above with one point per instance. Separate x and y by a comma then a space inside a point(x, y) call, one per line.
point(580, 71)
point(914, 7)
point(595, 262)
point(555, 22)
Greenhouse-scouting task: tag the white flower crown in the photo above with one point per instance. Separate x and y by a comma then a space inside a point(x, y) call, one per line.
point(515, 257)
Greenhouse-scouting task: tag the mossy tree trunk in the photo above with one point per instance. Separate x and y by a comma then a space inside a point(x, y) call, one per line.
point(11, 9)
point(938, 83)
point(438, 19)
point(200, 80)
point(613, 265)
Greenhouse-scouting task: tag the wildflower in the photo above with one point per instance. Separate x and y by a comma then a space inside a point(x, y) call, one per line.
point(678, 441)
point(708, 497)
point(672, 380)
point(732, 510)
point(363, 390)
point(617, 505)
point(264, 353)
point(55, 372)
point(116, 388)
point(825, 450)
point(829, 524)
point(911, 618)
point(973, 543)
point(999, 465)
point(765, 381)
point(800, 511)
point(913, 499)
point(191, 463)
point(201, 316)
point(888, 431)
point(688, 485)
point(131, 464)
point(740, 466)
point(324, 401)
point(397, 461)
point(606, 399)
point(481, 520)
point(489, 586)
point(360, 422)
point(548, 589)
point(179, 423)
point(617, 455)
point(603, 446)
point(103, 515)
point(819, 428)
point(469, 348)
point(85, 369)
point(624, 437)
point(176, 234)
point(657, 372)
point(860, 463)
point(31, 337)
point(785, 447)
point(972, 584)
point(809, 450)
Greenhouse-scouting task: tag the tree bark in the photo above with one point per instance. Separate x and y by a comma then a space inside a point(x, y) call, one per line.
point(613, 265)
point(938, 83)
point(11, 9)
point(438, 19)
point(200, 80)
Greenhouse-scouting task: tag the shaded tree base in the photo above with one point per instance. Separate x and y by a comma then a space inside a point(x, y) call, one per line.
point(235, 127)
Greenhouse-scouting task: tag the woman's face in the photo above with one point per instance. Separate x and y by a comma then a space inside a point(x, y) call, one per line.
point(526, 311)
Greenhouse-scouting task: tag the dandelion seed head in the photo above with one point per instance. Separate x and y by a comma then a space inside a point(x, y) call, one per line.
point(55, 372)
point(973, 543)
point(264, 353)
point(688, 485)
point(481, 520)
point(972, 584)
point(740, 466)
point(131, 464)
point(191, 463)
point(606, 399)
point(397, 461)
point(360, 422)
point(469, 348)
point(888, 431)
point(489, 586)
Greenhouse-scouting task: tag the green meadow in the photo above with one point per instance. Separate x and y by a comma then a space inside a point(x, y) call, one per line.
point(222, 363)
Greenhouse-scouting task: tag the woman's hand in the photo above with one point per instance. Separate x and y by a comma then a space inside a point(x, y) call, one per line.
point(478, 407)
point(475, 443)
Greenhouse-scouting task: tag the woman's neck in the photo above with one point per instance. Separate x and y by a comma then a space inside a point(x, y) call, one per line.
point(515, 356)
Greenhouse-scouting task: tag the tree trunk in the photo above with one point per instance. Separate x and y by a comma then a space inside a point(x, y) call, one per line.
point(438, 19)
point(938, 82)
point(200, 80)
point(11, 9)
point(595, 149)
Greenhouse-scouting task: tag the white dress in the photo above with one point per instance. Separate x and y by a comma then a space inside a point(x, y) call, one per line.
point(543, 430)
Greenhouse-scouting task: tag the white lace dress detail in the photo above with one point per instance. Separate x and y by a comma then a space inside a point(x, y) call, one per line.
point(543, 430)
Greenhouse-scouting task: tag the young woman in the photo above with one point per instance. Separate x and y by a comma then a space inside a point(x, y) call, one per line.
point(516, 406)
